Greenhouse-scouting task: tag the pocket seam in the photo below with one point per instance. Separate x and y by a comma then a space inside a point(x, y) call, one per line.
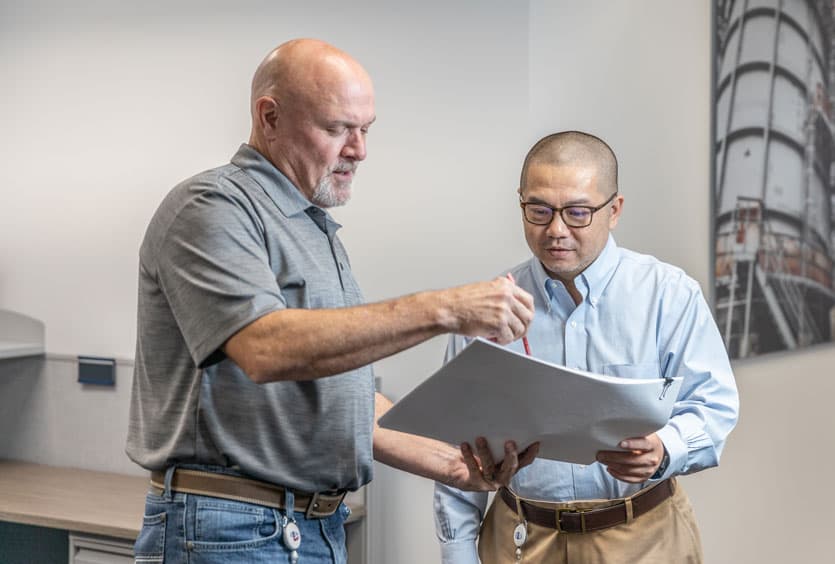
point(154, 525)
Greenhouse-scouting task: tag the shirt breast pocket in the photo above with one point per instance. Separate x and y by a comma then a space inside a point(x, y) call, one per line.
point(296, 293)
point(638, 370)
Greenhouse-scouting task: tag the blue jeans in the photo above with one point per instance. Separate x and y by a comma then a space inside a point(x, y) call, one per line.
point(183, 528)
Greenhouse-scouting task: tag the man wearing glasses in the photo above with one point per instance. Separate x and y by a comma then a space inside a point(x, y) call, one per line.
point(607, 310)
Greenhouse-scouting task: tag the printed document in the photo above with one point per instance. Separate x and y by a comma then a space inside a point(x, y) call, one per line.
point(500, 394)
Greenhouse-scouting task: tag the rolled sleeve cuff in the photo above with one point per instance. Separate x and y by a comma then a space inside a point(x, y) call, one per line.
point(459, 552)
point(675, 448)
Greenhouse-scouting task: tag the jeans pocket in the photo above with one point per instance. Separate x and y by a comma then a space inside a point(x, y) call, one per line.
point(150, 544)
point(229, 525)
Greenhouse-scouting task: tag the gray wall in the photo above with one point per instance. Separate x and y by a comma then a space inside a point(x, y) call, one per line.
point(47, 417)
point(113, 105)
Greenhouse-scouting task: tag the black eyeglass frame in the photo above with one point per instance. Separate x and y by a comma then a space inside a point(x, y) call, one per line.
point(592, 210)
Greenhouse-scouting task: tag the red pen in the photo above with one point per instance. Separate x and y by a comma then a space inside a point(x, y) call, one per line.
point(524, 339)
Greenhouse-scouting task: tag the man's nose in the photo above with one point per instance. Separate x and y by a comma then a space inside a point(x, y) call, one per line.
point(355, 146)
point(557, 227)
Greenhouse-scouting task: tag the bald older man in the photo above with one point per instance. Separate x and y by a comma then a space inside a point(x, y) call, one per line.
point(247, 303)
point(608, 310)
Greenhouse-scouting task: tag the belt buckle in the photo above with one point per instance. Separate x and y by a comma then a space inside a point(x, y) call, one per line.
point(582, 513)
point(313, 505)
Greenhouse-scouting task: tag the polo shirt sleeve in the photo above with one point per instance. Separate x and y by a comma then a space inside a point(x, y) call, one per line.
point(213, 268)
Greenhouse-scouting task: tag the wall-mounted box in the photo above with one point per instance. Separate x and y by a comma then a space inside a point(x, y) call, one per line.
point(97, 371)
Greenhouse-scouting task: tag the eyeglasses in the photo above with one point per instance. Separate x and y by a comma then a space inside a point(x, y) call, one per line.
point(572, 216)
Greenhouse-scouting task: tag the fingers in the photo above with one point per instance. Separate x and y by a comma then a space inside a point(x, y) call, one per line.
point(499, 310)
point(528, 455)
point(630, 459)
point(523, 298)
point(473, 467)
point(631, 474)
point(522, 310)
point(481, 473)
point(488, 465)
point(638, 443)
point(509, 466)
point(515, 321)
point(633, 466)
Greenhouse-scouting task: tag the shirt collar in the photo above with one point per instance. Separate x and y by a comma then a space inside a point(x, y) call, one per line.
point(541, 280)
point(591, 282)
point(286, 196)
point(596, 276)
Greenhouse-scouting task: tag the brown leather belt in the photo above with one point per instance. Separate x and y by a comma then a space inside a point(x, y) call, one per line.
point(574, 520)
point(315, 505)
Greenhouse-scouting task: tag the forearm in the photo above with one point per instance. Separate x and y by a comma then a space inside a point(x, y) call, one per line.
point(417, 455)
point(300, 344)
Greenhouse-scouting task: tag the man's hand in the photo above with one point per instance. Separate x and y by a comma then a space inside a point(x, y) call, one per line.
point(478, 472)
point(498, 310)
point(638, 463)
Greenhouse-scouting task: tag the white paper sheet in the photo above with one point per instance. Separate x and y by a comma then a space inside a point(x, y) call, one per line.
point(500, 394)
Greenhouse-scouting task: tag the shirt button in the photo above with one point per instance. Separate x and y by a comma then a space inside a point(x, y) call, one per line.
point(573, 324)
point(593, 301)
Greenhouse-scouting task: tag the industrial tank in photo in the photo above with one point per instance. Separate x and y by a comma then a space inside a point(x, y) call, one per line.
point(773, 200)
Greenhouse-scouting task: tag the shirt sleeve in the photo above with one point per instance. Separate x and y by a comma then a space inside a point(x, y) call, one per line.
point(458, 514)
point(707, 407)
point(213, 268)
point(458, 517)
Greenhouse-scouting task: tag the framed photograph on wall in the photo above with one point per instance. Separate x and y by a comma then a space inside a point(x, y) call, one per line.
point(774, 180)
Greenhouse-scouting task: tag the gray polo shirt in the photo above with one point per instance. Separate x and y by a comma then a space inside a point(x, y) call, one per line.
point(224, 248)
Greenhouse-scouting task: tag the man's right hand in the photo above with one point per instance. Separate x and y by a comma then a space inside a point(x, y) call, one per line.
point(498, 310)
point(477, 471)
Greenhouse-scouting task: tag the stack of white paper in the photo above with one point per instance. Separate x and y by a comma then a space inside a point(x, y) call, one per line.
point(490, 391)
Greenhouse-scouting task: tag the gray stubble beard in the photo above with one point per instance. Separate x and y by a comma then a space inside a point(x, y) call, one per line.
point(326, 196)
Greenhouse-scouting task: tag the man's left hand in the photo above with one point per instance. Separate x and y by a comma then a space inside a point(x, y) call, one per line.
point(478, 472)
point(638, 462)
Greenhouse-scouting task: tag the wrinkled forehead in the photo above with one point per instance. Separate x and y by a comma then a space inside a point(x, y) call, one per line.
point(340, 94)
point(571, 180)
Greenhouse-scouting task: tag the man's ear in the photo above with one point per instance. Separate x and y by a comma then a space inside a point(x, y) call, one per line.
point(266, 112)
point(617, 208)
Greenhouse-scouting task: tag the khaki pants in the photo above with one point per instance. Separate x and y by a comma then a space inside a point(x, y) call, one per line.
point(667, 534)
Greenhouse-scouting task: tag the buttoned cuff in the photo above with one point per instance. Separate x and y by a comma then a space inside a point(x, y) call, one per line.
point(462, 552)
point(675, 448)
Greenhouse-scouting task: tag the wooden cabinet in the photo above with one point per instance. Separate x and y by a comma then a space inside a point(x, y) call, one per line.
point(85, 549)
point(103, 511)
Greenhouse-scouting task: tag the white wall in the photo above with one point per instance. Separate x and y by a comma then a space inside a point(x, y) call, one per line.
point(113, 103)
point(638, 75)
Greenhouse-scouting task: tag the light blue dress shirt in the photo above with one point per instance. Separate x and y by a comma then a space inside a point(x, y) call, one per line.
point(638, 318)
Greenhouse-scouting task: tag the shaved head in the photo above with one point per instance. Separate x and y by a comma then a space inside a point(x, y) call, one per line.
point(301, 68)
point(312, 105)
point(569, 175)
point(575, 149)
